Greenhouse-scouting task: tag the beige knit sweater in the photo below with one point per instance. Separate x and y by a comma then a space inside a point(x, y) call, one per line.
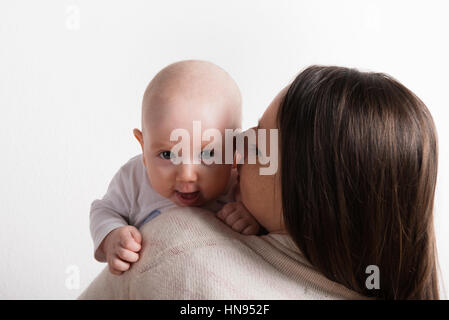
point(188, 253)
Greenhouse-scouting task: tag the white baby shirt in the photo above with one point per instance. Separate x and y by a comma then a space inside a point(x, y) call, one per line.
point(131, 200)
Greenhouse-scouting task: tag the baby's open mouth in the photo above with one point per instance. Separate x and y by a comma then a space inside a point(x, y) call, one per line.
point(188, 198)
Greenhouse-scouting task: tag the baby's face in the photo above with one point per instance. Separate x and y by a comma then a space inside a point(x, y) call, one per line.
point(186, 184)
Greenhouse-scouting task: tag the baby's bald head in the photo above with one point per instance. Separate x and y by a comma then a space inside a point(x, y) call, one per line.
point(177, 98)
point(191, 90)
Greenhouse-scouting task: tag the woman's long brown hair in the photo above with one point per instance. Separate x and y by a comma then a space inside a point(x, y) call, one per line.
point(358, 171)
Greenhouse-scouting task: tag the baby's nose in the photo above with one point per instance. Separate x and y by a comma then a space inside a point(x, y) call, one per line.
point(187, 173)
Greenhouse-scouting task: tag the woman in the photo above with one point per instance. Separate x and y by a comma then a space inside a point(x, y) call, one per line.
point(358, 173)
point(355, 189)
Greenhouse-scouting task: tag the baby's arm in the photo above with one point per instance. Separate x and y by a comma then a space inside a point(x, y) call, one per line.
point(115, 242)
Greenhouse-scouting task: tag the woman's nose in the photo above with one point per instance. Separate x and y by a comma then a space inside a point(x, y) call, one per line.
point(187, 173)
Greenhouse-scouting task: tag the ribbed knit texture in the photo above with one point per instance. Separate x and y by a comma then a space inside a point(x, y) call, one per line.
point(188, 253)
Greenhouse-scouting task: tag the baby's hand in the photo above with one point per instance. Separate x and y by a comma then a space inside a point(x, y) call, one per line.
point(235, 215)
point(121, 247)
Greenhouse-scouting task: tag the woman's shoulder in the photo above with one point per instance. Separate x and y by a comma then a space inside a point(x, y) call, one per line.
point(192, 250)
point(187, 253)
point(182, 230)
point(182, 226)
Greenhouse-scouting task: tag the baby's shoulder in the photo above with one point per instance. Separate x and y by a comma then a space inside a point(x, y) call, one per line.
point(135, 162)
point(133, 168)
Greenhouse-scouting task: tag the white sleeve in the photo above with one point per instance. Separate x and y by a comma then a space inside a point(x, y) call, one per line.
point(113, 210)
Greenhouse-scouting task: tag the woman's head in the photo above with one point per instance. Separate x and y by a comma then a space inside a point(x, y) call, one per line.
point(261, 194)
point(358, 167)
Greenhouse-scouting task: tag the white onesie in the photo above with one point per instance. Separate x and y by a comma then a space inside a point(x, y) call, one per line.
point(131, 200)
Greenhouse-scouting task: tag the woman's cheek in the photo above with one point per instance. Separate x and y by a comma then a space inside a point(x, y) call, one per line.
point(249, 186)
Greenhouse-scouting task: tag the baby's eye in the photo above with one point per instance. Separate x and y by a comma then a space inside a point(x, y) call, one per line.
point(207, 154)
point(166, 155)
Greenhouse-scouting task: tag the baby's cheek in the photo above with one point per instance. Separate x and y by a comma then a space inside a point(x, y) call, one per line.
point(215, 180)
point(161, 179)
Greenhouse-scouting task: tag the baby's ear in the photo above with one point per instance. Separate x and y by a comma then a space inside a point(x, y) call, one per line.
point(139, 137)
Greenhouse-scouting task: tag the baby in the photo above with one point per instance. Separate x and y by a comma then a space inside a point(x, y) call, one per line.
point(151, 183)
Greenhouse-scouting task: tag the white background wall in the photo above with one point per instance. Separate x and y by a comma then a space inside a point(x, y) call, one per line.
point(72, 75)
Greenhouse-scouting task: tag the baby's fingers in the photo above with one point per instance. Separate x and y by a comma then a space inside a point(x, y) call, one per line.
point(226, 211)
point(127, 255)
point(231, 219)
point(117, 266)
point(251, 229)
point(239, 225)
point(128, 242)
point(246, 227)
point(113, 271)
point(135, 233)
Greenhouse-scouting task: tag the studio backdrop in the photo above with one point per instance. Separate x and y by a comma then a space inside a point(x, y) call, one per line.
point(72, 75)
